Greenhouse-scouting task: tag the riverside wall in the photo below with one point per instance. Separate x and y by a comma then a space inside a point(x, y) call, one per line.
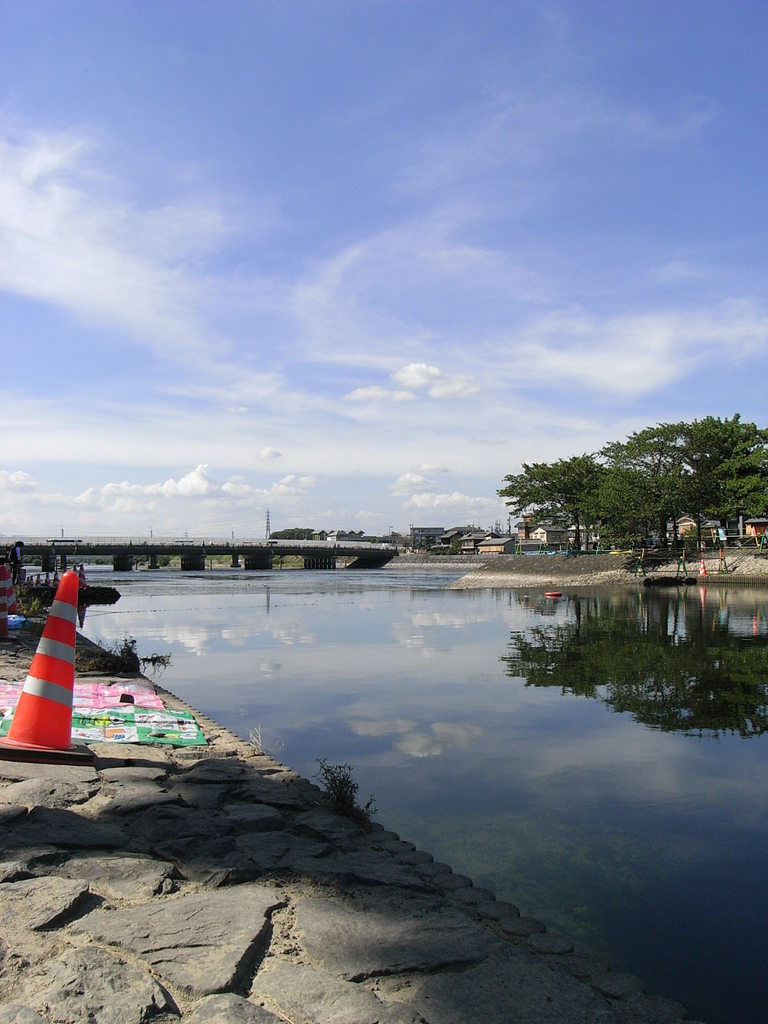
point(213, 885)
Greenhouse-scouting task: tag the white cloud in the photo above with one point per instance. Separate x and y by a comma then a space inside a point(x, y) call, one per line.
point(407, 483)
point(453, 501)
point(382, 728)
point(65, 240)
point(17, 481)
point(421, 375)
point(378, 394)
point(417, 375)
point(269, 453)
point(442, 736)
point(194, 484)
point(636, 354)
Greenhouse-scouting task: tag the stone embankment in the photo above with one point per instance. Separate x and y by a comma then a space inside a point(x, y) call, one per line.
point(547, 571)
point(212, 885)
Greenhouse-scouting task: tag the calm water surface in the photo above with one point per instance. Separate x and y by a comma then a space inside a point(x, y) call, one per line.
point(599, 760)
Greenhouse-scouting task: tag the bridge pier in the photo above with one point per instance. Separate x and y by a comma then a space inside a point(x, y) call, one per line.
point(235, 560)
point(258, 560)
point(192, 561)
point(319, 561)
point(122, 563)
point(153, 561)
point(50, 560)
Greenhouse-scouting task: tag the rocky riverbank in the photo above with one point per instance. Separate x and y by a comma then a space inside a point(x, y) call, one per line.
point(588, 570)
point(212, 885)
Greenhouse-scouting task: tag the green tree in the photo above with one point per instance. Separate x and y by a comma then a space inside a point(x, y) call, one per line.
point(744, 474)
point(563, 492)
point(672, 663)
point(294, 533)
point(648, 470)
point(622, 501)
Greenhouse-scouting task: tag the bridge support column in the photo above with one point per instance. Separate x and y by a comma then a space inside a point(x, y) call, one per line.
point(193, 561)
point(122, 563)
point(235, 560)
point(153, 561)
point(258, 560)
point(319, 561)
point(48, 561)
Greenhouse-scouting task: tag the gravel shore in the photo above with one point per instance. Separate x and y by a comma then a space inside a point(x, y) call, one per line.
point(547, 571)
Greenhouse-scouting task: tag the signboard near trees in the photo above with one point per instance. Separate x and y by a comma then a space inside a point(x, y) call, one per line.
point(630, 490)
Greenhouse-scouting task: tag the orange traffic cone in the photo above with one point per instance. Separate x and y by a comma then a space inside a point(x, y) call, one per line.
point(41, 729)
point(702, 568)
point(11, 606)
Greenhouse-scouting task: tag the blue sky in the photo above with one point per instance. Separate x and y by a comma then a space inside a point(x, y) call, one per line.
point(353, 262)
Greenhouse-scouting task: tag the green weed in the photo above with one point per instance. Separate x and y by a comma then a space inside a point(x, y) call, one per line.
point(341, 789)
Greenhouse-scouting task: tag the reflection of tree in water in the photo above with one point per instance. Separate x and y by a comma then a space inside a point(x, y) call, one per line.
point(672, 663)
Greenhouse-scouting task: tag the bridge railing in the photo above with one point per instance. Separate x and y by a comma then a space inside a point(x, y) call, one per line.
point(202, 542)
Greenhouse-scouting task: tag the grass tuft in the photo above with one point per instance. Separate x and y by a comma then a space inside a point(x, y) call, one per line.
point(341, 790)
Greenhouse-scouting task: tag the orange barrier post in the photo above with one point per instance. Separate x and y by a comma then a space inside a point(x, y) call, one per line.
point(41, 729)
point(702, 568)
point(11, 606)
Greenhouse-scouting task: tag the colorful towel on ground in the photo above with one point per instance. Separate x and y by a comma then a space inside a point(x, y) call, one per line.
point(113, 722)
point(97, 695)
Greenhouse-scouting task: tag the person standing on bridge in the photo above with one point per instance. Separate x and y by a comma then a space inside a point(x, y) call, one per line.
point(16, 557)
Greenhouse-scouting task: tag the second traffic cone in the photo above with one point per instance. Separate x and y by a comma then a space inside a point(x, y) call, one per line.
point(702, 568)
point(11, 606)
point(41, 728)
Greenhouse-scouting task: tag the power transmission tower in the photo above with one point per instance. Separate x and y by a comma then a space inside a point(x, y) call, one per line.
point(269, 528)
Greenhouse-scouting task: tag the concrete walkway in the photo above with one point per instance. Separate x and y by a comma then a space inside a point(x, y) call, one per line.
point(212, 885)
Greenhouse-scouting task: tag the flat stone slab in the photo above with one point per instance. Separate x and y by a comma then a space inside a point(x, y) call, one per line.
point(200, 942)
point(370, 867)
point(369, 939)
point(216, 770)
point(204, 796)
point(259, 789)
point(127, 877)
point(39, 903)
point(48, 792)
point(96, 986)
point(254, 817)
point(19, 770)
point(510, 987)
point(229, 1009)
point(326, 824)
point(121, 755)
point(176, 822)
point(17, 1013)
point(138, 797)
point(130, 774)
point(273, 850)
point(25, 863)
point(56, 826)
point(307, 995)
point(10, 812)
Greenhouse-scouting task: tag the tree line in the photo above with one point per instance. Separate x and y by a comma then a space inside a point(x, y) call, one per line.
point(630, 490)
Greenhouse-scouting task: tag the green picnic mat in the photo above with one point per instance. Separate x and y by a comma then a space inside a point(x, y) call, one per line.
point(129, 724)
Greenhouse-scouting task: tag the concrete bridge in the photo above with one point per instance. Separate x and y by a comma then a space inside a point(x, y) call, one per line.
point(126, 552)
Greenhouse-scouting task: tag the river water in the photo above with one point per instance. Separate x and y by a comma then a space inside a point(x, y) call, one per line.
point(599, 759)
